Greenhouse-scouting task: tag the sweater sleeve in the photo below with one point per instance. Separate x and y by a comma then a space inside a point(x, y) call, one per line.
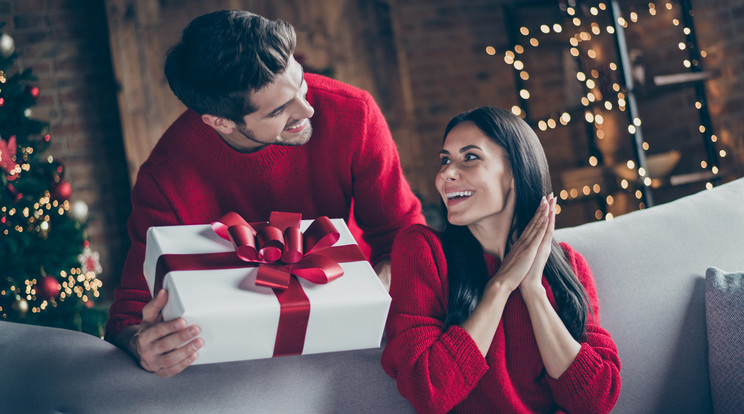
point(595, 373)
point(150, 207)
point(435, 368)
point(383, 201)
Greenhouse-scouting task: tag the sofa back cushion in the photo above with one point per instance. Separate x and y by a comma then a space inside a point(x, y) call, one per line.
point(649, 268)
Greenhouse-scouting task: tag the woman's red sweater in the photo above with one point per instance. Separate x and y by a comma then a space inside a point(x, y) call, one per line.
point(441, 370)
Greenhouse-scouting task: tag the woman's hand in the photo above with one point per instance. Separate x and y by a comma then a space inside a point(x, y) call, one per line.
point(533, 280)
point(521, 258)
point(158, 344)
point(485, 319)
point(558, 349)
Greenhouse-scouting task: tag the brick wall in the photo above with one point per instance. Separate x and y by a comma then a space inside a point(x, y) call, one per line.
point(720, 29)
point(442, 51)
point(445, 50)
point(65, 42)
point(444, 45)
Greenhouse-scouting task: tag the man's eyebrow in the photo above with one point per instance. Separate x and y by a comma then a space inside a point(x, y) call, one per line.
point(281, 108)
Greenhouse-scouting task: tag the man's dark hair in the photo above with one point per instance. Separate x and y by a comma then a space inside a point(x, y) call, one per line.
point(223, 57)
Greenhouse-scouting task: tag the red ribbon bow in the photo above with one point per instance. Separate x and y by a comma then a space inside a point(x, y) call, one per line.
point(281, 250)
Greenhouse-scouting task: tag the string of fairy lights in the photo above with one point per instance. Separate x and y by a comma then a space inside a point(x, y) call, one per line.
point(620, 96)
point(75, 282)
point(80, 282)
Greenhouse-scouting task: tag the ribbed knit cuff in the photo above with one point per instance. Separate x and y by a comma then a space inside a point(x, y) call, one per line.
point(464, 350)
point(126, 310)
point(579, 375)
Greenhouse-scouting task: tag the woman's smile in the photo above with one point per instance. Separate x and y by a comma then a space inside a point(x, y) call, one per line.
point(455, 197)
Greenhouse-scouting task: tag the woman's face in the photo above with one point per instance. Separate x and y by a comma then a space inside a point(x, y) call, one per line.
point(475, 178)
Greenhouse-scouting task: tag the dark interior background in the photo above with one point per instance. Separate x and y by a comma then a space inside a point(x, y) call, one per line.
point(99, 68)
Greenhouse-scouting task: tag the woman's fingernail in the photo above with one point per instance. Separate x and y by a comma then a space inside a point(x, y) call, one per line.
point(193, 331)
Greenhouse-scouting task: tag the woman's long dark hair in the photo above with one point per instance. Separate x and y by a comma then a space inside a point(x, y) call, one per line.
point(467, 272)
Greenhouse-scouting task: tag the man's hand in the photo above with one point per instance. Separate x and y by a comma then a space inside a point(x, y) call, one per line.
point(165, 348)
point(382, 268)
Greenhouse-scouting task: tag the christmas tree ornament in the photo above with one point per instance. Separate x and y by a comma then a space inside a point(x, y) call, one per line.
point(34, 91)
point(80, 210)
point(7, 45)
point(49, 287)
point(7, 156)
point(90, 261)
point(62, 190)
point(20, 306)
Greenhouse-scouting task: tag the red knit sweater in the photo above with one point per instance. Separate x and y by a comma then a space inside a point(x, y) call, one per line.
point(193, 177)
point(442, 370)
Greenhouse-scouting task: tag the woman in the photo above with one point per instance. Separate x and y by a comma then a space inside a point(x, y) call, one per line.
point(492, 315)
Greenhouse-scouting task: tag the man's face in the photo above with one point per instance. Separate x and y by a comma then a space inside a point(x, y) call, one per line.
point(283, 114)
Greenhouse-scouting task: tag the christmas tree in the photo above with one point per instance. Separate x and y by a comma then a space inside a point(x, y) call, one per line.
point(48, 272)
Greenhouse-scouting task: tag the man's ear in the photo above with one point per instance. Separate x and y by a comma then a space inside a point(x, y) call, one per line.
point(220, 124)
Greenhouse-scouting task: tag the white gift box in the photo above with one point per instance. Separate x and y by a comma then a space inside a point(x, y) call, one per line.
point(239, 320)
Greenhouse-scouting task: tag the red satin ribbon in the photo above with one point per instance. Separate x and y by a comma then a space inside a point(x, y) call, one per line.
point(228, 260)
point(281, 240)
point(314, 266)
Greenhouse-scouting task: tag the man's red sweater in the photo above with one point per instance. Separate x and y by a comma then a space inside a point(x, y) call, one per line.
point(193, 177)
point(441, 370)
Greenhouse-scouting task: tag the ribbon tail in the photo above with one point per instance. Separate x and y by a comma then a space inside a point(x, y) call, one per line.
point(293, 320)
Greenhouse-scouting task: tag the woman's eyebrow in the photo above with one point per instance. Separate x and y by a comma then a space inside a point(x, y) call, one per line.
point(469, 147)
point(463, 149)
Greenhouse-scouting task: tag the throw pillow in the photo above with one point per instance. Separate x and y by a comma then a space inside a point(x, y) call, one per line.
point(724, 309)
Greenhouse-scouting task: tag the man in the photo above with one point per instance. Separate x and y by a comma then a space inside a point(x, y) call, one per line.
point(259, 136)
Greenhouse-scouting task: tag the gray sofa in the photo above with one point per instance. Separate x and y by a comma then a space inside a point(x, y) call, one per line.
point(649, 268)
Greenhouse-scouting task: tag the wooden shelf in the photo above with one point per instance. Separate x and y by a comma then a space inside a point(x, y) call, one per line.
point(685, 77)
point(690, 178)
